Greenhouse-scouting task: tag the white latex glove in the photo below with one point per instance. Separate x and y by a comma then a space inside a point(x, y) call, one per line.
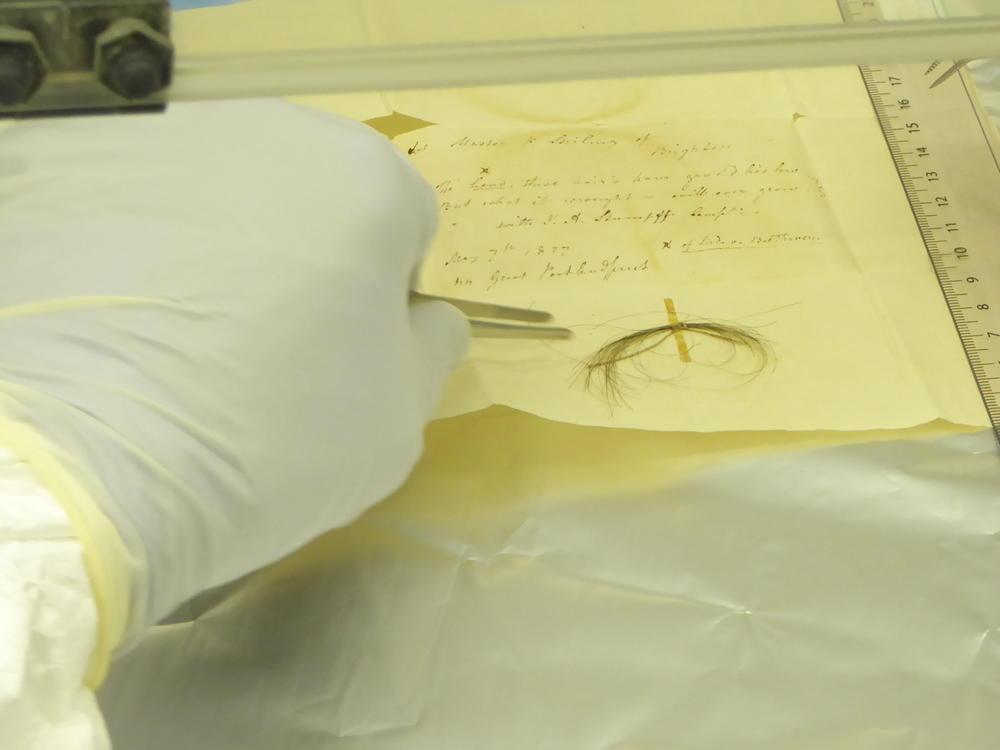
point(206, 315)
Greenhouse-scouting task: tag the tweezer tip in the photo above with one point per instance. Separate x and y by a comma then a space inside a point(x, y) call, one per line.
point(539, 316)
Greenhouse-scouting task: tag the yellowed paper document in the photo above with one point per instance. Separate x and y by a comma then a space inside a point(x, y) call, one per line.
point(794, 229)
point(762, 200)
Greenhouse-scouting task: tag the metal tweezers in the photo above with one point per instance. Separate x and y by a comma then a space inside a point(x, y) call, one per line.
point(492, 329)
point(957, 66)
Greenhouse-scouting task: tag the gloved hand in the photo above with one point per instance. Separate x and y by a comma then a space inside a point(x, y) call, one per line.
point(205, 316)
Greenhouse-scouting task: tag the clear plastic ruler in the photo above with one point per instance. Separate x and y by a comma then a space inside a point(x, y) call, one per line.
point(946, 156)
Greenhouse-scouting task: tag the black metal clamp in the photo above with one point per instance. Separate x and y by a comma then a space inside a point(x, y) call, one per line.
point(62, 57)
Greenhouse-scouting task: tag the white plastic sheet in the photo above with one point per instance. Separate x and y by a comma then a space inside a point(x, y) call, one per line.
point(841, 597)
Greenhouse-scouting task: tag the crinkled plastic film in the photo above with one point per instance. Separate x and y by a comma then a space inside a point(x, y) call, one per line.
point(538, 584)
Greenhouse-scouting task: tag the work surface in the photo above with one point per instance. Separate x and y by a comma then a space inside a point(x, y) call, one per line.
point(800, 559)
point(537, 585)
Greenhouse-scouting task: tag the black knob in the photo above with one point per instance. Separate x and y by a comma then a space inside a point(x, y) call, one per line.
point(135, 72)
point(21, 73)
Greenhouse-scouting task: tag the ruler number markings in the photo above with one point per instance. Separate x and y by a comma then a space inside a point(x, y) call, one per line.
point(969, 278)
